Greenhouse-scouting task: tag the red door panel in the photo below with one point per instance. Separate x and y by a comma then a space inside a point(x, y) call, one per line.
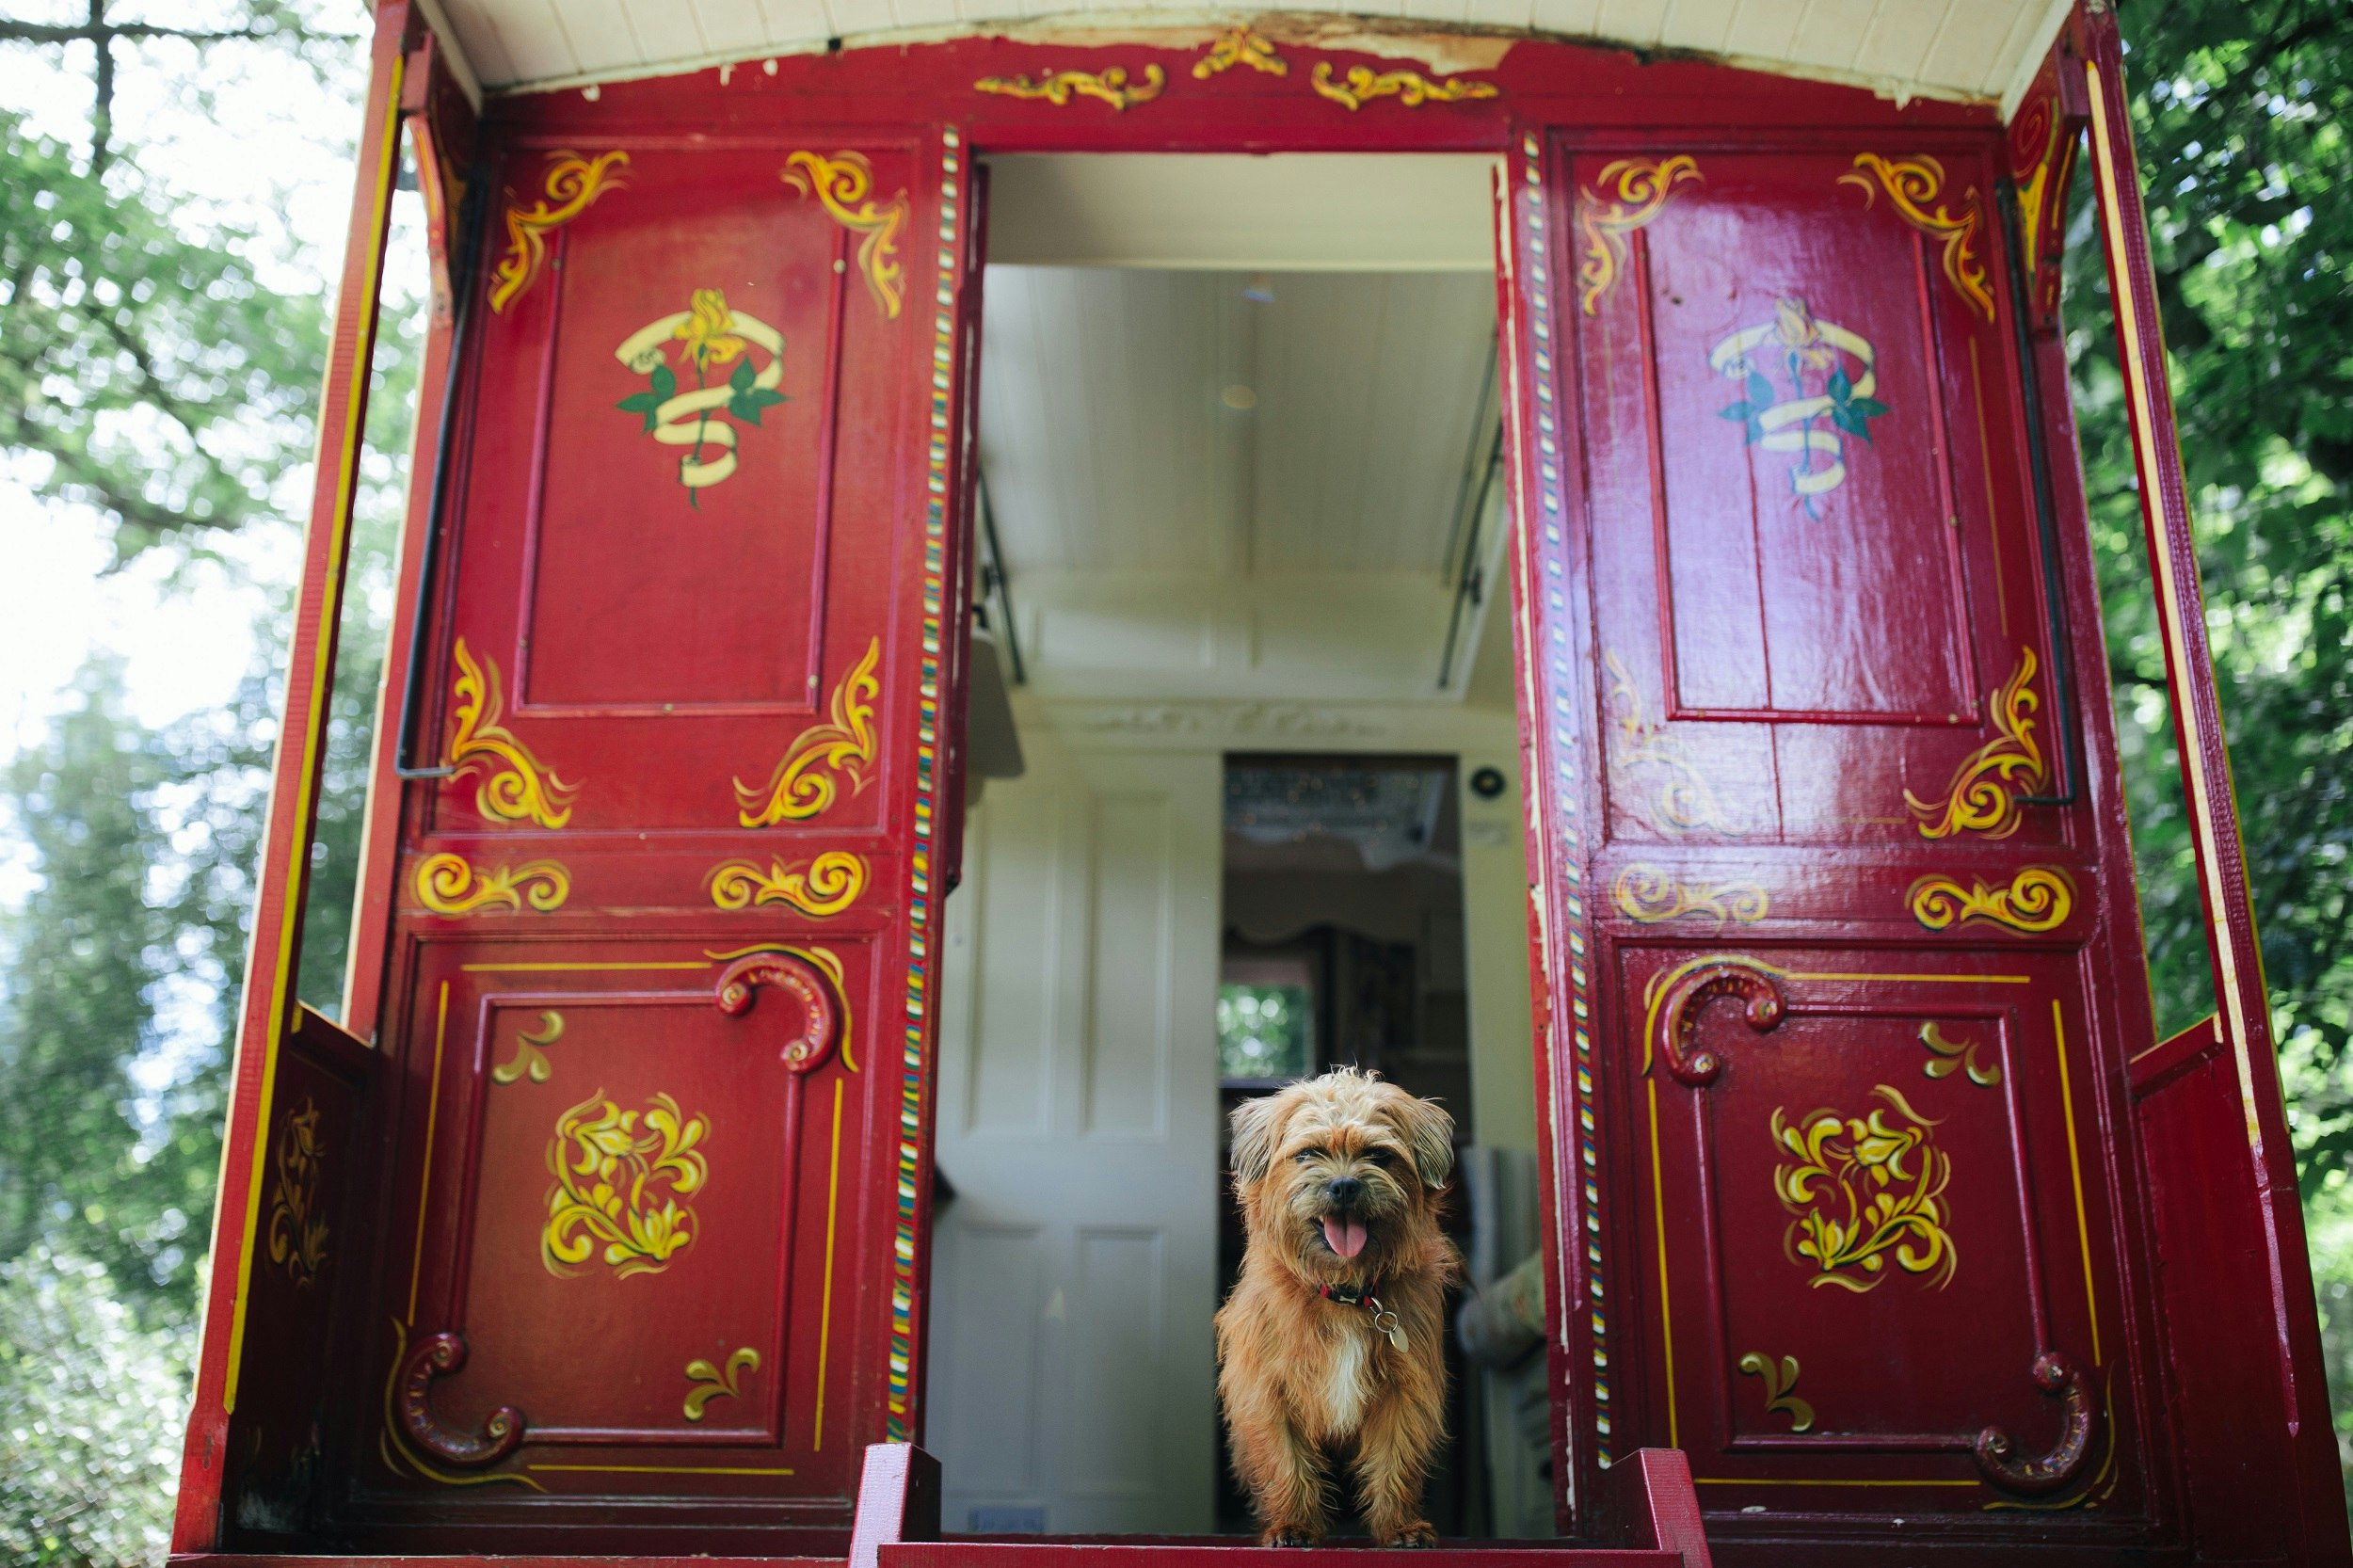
point(1890, 1208)
point(659, 938)
point(1843, 911)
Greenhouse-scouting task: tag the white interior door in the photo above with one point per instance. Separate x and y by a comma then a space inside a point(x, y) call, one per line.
point(1074, 1273)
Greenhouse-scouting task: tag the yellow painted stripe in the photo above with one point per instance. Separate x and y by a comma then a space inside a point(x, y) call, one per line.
point(578, 968)
point(2076, 1169)
point(1741, 1480)
point(425, 1178)
point(824, 1289)
point(314, 731)
point(1931, 979)
point(667, 1469)
point(1666, 1310)
point(2138, 389)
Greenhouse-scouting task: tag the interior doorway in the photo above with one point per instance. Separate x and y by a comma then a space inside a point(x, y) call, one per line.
point(1241, 527)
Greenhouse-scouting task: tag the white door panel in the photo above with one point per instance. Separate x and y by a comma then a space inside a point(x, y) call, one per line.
point(1074, 1275)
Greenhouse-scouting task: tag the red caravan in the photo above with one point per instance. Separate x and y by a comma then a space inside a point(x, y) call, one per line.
point(601, 1225)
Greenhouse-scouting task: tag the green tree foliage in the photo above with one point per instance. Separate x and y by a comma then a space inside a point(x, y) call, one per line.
point(2241, 112)
point(90, 1405)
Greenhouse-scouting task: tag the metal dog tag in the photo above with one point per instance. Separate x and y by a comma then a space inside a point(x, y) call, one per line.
point(1386, 1322)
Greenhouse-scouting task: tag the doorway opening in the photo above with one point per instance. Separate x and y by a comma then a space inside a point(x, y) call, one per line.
point(1242, 529)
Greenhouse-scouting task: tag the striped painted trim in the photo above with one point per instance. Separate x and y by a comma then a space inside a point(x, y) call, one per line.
point(1558, 753)
point(920, 904)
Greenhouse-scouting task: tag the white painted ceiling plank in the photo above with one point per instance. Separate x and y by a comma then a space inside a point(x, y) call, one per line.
point(1763, 30)
point(600, 35)
point(1898, 38)
point(1635, 21)
point(731, 26)
point(1700, 24)
point(2026, 58)
point(1831, 32)
point(1965, 49)
point(477, 33)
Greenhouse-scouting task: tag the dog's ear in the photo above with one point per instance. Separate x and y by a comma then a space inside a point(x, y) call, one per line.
point(1429, 1131)
point(1257, 1132)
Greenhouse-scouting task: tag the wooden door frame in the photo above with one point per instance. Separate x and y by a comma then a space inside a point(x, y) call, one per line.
point(1542, 84)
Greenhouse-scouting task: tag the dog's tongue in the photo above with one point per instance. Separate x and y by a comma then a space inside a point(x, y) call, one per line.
point(1346, 1237)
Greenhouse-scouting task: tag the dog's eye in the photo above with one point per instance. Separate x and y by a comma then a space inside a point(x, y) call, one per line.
point(1307, 1155)
point(1382, 1157)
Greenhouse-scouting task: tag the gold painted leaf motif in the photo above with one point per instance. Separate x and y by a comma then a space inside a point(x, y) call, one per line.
point(1362, 84)
point(827, 886)
point(513, 788)
point(573, 182)
point(618, 1185)
point(298, 1232)
point(1653, 897)
point(1867, 1191)
point(1681, 800)
point(1781, 1381)
point(1240, 47)
point(709, 1383)
point(448, 883)
point(1640, 189)
point(1981, 798)
point(840, 185)
point(1912, 184)
point(801, 785)
point(1947, 1057)
point(1059, 87)
point(2039, 898)
point(530, 1059)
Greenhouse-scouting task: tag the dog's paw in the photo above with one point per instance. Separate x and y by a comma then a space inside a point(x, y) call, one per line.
point(1290, 1535)
point(1419, 1533)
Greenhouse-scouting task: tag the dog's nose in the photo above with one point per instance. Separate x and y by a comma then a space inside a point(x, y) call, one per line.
point(1345, 1191)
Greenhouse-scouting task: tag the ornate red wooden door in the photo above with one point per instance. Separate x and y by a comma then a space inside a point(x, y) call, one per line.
point(661, 936)
point(1843, 905)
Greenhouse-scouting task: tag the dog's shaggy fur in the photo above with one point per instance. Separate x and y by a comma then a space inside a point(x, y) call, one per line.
point(1338, 1165)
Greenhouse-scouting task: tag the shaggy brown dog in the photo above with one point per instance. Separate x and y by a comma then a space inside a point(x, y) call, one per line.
point(1328, 1347)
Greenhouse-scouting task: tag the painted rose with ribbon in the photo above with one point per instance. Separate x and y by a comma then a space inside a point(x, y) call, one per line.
point(713, 336)
point(1824, 402)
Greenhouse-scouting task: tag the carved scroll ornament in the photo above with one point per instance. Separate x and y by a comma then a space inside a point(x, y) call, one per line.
point(802, 981)
point(444, 1355)
point(2061, 1377)
point(1676, 1019)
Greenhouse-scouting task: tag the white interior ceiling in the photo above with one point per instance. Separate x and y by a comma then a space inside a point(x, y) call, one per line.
point(1212, 483)
point(1958, 49)
point(1414, 212)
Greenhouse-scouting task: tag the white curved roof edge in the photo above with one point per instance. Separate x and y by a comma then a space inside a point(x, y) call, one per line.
point(1965, 51)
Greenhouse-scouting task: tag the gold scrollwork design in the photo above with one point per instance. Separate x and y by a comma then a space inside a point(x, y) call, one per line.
point(1240, 47)
point(2038, 898)
point(801, 785)
point(1781, 1383)
point(1865, 1189)
point(841, 182)
point(449, 884)
point(1912, 184)
point(574, 182)
point(827, 886)
point(1948, 1056)
point(1059, 87)
point(1642, 188)
point(298, 1232)
point(1410, 87)
point(609, 1177)
point(512, 789)
point(1683, 801)
point(1653, 897)
point(1980, 798)
point(531, 1058)
point(707, 1382)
